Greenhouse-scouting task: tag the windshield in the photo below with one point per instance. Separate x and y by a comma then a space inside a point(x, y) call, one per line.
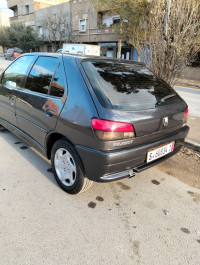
point(127, 86)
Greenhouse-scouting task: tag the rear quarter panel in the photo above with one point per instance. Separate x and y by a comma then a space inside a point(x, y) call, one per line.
point(75, 119)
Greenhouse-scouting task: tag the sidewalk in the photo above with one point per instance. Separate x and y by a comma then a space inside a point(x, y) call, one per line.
point(193, 138)
point(190, 77)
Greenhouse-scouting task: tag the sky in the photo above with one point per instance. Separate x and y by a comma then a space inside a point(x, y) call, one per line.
point(4, 7)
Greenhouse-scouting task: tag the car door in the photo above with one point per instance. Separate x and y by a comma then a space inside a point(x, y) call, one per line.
point(40, 102)
point(11, 81)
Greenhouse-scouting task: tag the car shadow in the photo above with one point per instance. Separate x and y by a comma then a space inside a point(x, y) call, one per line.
point(43, 165)
point(30, 154)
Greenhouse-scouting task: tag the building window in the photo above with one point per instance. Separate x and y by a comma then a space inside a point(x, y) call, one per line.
point(82, 25)
point(27, 9)
point(107, 21)
point(116, 19)
point(15, 10)
point(48, 48)
point(40, 31)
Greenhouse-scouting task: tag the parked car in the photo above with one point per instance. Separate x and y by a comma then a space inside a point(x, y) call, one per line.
point(97, 119)
point(60, 51)
point(12, 54)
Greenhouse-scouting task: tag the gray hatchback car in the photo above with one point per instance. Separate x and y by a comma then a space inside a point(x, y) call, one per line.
point(97, 119)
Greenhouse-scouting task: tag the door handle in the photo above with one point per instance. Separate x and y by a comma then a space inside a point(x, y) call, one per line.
point(49, 113)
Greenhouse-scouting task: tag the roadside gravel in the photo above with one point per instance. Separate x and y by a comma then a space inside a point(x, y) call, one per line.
point(184, 166)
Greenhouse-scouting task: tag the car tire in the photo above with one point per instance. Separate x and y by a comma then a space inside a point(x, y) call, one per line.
point(68, 168)
point(5, 57)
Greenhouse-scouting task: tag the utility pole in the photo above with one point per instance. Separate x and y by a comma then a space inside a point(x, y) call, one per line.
point(120, 42)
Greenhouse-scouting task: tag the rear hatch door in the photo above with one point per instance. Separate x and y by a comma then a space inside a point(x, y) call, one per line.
point(129, 92)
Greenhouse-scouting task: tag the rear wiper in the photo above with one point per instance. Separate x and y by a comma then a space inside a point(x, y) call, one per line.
point(161, 100)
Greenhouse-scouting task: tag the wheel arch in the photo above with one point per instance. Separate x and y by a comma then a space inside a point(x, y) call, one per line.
point(50, 141)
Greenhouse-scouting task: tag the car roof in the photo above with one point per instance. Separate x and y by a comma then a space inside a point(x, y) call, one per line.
point(85, 57)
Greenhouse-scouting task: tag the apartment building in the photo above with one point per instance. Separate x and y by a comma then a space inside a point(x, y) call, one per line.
point(24, 10)
point(82, 23)
point(90, 26)
point(53, 26)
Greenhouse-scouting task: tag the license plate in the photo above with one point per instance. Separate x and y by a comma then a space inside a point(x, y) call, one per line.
point(160, 152)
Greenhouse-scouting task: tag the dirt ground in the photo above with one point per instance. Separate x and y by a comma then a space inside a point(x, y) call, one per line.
point(187, 161)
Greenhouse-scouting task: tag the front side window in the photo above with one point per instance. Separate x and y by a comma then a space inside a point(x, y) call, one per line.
point(14, 75)
point(39, 78)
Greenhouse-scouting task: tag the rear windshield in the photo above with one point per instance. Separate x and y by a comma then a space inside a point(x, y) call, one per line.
point(127, 86)
point(18, 51)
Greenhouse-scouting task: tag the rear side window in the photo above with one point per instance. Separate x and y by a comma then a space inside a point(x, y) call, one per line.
point(57, 86)
point(127, 86)
point(40, 76)
point(14, 75)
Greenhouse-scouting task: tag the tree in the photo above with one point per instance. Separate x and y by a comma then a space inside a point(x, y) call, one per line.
point(4, 38)
point(57, 30)
point(23, 37)
point(133, 16)
point(165, 32)
point(174, 29)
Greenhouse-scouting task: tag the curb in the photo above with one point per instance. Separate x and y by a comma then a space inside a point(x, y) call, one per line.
point(188, 84)
point(182, 80)
point(191, 144)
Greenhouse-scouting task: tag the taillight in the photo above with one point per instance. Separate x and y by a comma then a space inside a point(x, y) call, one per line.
point(112, 130)
point(185, 116)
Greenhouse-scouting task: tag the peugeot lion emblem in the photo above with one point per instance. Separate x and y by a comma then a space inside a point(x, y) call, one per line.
point(165, 121)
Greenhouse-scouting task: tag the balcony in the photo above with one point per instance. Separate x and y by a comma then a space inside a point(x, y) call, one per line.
point(12, 3)
point(95, 35)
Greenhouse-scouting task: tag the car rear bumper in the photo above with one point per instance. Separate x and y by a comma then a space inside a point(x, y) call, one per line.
point(101, 166)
